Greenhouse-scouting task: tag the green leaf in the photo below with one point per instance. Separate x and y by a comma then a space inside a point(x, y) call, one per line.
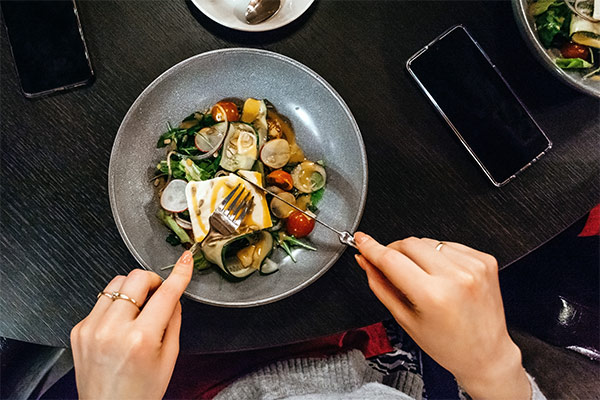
point(316, 197)
point(173, 239)
point(570, 63)
point(171, 135)
point(292, 241)
point(177, 170)
point(553, 23)
point(190, 117)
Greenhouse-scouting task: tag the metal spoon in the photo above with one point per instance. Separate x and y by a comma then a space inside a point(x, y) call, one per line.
point(261, 10)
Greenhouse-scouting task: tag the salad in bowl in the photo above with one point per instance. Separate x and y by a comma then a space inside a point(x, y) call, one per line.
point(570, 32)
point(206, 157)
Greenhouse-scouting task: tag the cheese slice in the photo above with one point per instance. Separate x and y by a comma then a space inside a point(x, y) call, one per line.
point(204, 197)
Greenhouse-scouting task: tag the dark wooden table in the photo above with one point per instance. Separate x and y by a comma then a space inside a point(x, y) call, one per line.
point(60, 244)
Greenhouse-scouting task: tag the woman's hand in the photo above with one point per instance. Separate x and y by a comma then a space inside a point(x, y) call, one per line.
point(121, 352)
point(448, 300)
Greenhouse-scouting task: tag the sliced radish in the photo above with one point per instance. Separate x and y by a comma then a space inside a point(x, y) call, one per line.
point(309, 177)
point(279, 208)
point(173, 197)
point(210, 139)
point(183, 223)
point(275, 153)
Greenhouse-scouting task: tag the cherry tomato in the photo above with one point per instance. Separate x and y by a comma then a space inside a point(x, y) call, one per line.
point(229, 108)
point(574, 50)
point(280, 179)
point(299, 224)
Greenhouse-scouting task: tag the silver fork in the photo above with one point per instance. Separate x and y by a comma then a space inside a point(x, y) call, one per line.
point(228, 216)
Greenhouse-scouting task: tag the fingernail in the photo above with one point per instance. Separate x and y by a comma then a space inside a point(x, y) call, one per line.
point(358, 260)
point(360, 237)
point(187, 257)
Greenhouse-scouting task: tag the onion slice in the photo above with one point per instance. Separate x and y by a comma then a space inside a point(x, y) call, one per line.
point(173, 196)
point(275, 153)
point(183, 223)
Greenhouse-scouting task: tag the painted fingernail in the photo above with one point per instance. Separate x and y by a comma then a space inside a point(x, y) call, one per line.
point(358, 260)
point(187, 257)
point(360, 237)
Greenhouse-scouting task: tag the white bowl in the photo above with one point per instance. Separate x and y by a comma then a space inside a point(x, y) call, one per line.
point(231, 13)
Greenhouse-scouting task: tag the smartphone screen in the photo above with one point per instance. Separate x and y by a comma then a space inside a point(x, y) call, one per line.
point(478, 104)
point(47, 45)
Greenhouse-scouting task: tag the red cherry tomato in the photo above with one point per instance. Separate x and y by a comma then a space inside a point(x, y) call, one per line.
point(280, 179)
point(223, 108)
point(574, 50)
point(299, 224)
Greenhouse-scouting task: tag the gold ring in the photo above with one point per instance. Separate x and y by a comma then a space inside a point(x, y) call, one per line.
point(121, 296)
point(439, 246)
point(103, 293)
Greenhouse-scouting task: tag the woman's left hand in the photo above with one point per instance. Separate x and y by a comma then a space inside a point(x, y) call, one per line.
point(121, 352)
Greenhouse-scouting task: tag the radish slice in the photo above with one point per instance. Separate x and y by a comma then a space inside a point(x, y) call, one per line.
point(309, 177)
point(275, 153)
point(183, 223)
point(173, 197)
point(210, 139)
point(279, 208)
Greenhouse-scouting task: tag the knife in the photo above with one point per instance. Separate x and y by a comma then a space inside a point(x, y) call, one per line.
point(345, 237)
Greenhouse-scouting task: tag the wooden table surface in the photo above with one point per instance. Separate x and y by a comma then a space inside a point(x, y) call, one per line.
point(59, 242)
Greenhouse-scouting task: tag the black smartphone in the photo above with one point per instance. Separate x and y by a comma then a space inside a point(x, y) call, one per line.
point(475, 100)
point(47, 44)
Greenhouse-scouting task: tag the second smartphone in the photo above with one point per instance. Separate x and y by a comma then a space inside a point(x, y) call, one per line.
point(475, 100)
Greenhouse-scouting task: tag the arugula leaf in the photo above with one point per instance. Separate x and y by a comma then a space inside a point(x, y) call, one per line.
point(173, 239)
point(569, 63)
point(292, 241)
point(316, 196)
point(553, 23)
point(177, 170)
point(171, 135)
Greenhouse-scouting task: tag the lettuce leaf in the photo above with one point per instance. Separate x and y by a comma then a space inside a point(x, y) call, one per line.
point(570, 63)
point(553, 23)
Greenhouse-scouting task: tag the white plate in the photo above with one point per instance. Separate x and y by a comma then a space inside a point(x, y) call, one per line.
point(231, 13)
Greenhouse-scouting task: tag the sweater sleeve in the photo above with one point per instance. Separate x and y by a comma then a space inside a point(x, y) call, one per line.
point(342, 376)
point(536, 393)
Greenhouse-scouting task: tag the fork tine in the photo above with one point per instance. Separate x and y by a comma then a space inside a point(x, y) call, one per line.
point(241, 205)
point(234, 204)
point(246, 210)
point(221, 206)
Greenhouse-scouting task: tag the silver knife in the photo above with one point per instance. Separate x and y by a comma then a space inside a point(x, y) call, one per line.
point(345, 237)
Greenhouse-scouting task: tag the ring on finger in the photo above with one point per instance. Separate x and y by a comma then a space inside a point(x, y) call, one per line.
point(439, 246)
point(122, 296)
point(104, 293)
point(118, 296)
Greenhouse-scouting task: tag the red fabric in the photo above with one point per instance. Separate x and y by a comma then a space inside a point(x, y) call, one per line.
point(203, 376)
point(592, 226)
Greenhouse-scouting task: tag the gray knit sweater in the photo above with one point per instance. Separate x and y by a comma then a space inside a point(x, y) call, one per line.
point(342, 376)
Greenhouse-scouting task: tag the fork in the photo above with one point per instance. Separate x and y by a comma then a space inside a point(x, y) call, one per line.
point(228, 216)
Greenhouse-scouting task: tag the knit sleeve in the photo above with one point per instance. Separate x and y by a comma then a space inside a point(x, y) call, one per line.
point(536, 393)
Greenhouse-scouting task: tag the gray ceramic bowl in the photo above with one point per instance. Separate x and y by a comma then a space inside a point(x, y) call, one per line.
point(573, 78)
point(325, 129)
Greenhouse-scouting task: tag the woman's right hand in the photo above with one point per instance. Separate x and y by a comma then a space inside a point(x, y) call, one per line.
point(448, 300)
